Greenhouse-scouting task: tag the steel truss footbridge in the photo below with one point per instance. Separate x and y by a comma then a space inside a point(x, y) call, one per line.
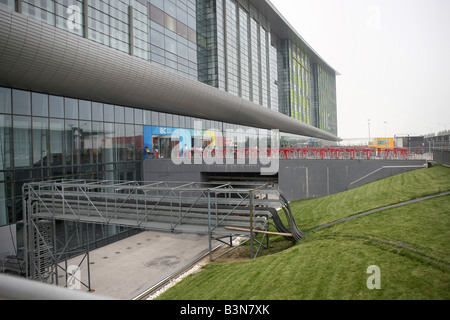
point(220, 210)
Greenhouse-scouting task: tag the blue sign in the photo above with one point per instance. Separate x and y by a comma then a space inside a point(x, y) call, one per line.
point(184, 136)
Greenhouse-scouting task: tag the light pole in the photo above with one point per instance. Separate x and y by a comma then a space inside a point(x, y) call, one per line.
point(369, 131)
point(385, 133)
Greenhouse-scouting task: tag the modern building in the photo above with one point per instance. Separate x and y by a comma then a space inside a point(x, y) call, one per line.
point(87, 86)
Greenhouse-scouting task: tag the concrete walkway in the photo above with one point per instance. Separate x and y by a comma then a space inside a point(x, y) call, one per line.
point(125, 269)
point(381, 209)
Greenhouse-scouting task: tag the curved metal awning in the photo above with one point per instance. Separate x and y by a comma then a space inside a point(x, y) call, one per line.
point(38, 57)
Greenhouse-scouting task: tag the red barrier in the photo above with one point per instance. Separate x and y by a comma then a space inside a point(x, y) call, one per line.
point(306, 153)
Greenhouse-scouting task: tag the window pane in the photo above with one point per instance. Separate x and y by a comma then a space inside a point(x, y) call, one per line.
point(120, 143)
point(6, 142)
point(109, 113)
point(56, 141)
point(5, 100)
point(129, 142)
point(162, 119)
point(139, 142)
point(97, 111)
point(138, 116)
point(129, 115)
point(182, 29)
point(22, 142)
point(155, 118)
point(147, 117)
point(56, 107)
point(120, 115)
point(170, 23)
point(40, 142)
point(39, 104)
point(6, 202)
point(71, 106)
point(73, 142)
point(98, 142)
point(156, 15)
point(109, 142)
point(85, 139)
point(22, 102)
point(85, 110)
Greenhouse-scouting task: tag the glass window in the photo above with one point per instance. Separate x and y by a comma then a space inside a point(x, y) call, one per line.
point(170, 8)
point(97, 111)
point(22, 142)
point(119, 144)
point(129, 115)
point(156, 15)
point(162, 119)
point(169, 120)
point(56, 105)
point(98, 142)
point(182, 29)
point(120, 114)
point(138, 116)
point(85, 110)
point(73, 142)
point(192, 35)
point(109, 133)
point(155, 118)
point(139, 142)
point(6, 158)
point(170, 23)
point(109, 113)
point(85, 141)
point(5, 100)
point(71, 108)
point(39, 104)
point(129, 142)
point(171, 45)
point(176, 121)
point(6, 202)
point(157, 38)
point(56, 142)
point(182, 123)
point(147, 118)
point(40, 142)
point(22, 102)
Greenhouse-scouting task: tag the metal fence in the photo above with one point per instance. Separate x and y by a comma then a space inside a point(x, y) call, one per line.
point(219, 210)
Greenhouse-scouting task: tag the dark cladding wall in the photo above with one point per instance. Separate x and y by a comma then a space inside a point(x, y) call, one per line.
point(304, 179)
point(442, 157)
point(297, 179)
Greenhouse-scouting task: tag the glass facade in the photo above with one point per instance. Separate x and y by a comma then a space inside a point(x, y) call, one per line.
point(228, 44)
point(307, 90)
point(44, 136)
point(326, 100)
point(246, 53)
point(300, 84)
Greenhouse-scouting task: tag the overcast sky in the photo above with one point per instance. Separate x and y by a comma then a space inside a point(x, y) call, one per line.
point(393, 57)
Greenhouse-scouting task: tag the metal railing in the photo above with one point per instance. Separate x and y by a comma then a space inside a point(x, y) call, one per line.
point(219, 210)
point(330, 152)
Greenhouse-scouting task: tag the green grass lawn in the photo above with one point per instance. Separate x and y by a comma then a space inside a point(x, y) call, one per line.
point(409, 244)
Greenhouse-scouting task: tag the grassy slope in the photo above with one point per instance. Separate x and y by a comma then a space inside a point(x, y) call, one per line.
point(409, 244)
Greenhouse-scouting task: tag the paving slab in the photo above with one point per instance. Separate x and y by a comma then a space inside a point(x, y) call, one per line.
point(125, 269)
